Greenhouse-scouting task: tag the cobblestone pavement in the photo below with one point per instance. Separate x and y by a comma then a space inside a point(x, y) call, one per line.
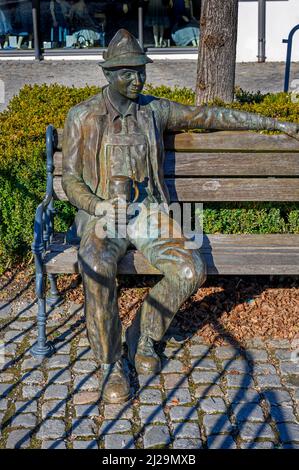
point(205, 397)
point(268, 77)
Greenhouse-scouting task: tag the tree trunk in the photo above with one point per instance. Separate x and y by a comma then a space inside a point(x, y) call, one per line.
point(217, 51)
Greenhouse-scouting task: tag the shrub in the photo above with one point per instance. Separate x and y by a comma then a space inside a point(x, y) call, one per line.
point(22, 166)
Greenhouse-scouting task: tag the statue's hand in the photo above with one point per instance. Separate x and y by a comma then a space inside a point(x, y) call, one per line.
point(293, 131)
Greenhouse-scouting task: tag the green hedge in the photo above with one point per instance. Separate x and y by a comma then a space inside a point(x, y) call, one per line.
point(22, 166)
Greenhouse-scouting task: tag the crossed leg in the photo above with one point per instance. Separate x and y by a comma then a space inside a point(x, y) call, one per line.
point(184, 271)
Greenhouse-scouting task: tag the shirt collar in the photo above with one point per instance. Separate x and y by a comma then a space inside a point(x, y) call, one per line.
point(112, 107)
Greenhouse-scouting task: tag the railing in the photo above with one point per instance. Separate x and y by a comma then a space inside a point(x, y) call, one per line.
point(289, 42)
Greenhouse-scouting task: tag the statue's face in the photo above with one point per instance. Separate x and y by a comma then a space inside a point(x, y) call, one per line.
point(128, 81)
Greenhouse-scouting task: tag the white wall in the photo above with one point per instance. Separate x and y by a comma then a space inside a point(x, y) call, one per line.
point(281, 17)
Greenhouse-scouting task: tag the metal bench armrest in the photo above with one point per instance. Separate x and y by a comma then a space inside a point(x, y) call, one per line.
point(43, 223)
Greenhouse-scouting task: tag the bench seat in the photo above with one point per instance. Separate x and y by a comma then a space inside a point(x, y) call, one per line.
point(224, 254)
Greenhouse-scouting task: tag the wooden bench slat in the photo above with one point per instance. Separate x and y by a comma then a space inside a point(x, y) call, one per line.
point(224, 254)
point(222, 189)
point(221, 164)
point(220, 140)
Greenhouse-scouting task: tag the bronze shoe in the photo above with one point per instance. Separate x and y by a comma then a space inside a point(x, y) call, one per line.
point(147, 361)
point(115, 385)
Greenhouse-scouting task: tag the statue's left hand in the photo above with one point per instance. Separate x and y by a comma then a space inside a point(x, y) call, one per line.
point(293, 132)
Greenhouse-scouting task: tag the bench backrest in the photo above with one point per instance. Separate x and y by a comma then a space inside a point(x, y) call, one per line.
point(222, 166)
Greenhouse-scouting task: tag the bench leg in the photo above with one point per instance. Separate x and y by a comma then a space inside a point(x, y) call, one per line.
point(54, 299)
point(41, 348)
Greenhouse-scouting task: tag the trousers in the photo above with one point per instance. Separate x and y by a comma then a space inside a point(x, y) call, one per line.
point(155, 234)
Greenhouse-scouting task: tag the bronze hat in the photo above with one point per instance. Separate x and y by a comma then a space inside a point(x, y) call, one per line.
point(124, 51)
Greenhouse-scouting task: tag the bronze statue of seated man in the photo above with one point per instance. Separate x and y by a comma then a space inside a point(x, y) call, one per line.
point(113, 138)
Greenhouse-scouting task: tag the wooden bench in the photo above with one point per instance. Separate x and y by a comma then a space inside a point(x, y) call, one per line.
point(199, 167)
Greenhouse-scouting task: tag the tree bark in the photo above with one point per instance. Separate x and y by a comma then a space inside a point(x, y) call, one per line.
point(217, 51)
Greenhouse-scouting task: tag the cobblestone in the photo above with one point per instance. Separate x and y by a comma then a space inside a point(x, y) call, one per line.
point(283, 414)
point(151, 414)
point(257, 355)
point(53, 445)
point(221, 441)
point(257, 445)
point(87, 410)
point(264, 369)
point(199, 350)
point(243, 395)
point(239, 380)
point(118, 411)
point(10, 349)
point(26, 406)
point(53, 409)
point(217, 423)
point(32, 391)
point(31, 363)
point(18, 439)
point(283, 355)
point(187, 444)
point(204, 364)
point(5, 309)
point(34, 377)
point(112, 426)
point(162, 413)
point(288, 432)
point(173, 352)
point(186, 430)
point(156, 436)
point(56, 392)
point(13, 336)
point(151, 396)
point(212, 405)
point(226, 352)
point(51, 429)
point(175, 380)
point(83, 427)
point(249, 431)
point(84, 367)
point(277, 397)
point(27, 420)
point(291, 381)
point(58, 377)
point(63, 348)
point(208, 390)
point(271, 381)
point(239, 366)
point(180, 396)
point(179, 413)
point(288, 368)
point(83, 383)
point(172, 365)
point(22, 325)
point(203, 377)
point(119, 441)
point(85, 445)
point(3, 404)
point(278, 343)
point(149, 381)
point(248, 412)
point(83, 398)
point(58, 361)
point(85, 354)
